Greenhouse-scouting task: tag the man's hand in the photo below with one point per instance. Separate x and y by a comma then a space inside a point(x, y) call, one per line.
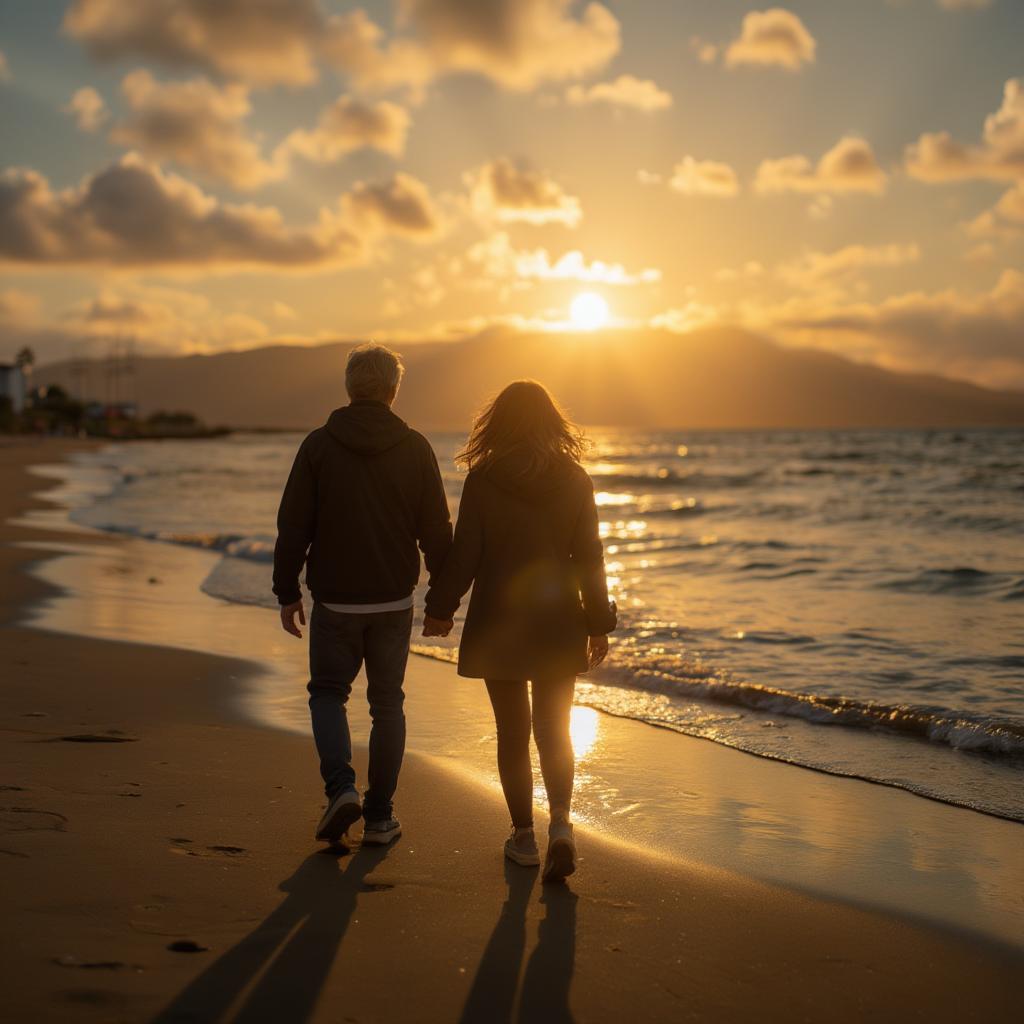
point(597, 650)
point(437, 627)
point(288, 613)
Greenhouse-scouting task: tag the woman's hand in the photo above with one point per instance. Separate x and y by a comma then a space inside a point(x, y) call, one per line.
point(597, 650)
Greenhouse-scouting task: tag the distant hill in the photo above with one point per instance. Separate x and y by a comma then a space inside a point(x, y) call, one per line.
point(713, 378)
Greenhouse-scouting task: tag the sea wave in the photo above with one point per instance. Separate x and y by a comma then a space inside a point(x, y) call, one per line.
point(663, 478)
point(960, 581)
point(234, 545)
point(984, 734)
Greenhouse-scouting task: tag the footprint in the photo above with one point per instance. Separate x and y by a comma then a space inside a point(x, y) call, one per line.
point(89, 965)
point(95, 737)
point(28, 819)
point(181, 846)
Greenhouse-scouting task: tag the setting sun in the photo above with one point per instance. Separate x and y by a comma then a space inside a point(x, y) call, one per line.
point(588, 311)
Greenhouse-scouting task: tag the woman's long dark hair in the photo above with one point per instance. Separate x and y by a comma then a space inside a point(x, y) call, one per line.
point(525, 421)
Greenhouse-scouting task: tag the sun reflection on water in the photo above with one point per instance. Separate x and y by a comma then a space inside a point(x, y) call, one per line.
point(583, 727)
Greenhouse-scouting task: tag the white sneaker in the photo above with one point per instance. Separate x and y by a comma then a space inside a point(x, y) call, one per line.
point(560, 861)
point(521, 848)
point(380, 833)
point(344, 810)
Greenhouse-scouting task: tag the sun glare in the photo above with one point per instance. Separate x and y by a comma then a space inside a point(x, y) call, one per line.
point(588, 311)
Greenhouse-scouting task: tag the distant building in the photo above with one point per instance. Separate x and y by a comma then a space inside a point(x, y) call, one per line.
point(12, 385)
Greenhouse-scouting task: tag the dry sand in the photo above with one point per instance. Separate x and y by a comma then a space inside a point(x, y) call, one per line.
point(139, 812)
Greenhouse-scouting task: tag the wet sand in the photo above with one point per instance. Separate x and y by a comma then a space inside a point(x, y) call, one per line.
point(142, 813)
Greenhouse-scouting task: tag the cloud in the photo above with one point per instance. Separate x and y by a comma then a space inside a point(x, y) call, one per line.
point(501, 261)
point(849, 166)
point(938, 157)
point(519, 44)
point(401, 206)
point(1005, 219)
point(508, 192)
point(704, 178)
point(200, 125)
point(772, 38)
point(977, 336)
point(197, 125)
point(86, 106)
point(817, 269)
point(624, 91)
point(133, 215)
point(272, 41)
point(347, 125)
point(683, 319)
point(5, 68)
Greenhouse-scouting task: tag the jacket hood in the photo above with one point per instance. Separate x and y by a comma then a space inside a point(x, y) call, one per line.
point(368, 428)
point(512, 473)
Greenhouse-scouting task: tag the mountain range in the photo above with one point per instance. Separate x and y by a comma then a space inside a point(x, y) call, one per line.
point(711, 378)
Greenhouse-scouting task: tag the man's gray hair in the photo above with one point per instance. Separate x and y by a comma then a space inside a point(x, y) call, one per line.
point(373, 372)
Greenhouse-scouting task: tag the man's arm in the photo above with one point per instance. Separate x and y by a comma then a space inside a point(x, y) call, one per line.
point(296, 520)
point(434, 522)
point(449, 585)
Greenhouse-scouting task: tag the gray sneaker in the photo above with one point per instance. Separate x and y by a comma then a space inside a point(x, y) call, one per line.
point(560, 861)
point(521, 848)
point(342, 811)
point(380, 833)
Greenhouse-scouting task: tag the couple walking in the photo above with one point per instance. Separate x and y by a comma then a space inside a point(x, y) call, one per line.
point(364, 494)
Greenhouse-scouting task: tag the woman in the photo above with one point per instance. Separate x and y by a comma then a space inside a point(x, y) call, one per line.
point(527, 540)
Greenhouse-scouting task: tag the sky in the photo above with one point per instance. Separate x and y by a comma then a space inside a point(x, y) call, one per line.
point(202, 175)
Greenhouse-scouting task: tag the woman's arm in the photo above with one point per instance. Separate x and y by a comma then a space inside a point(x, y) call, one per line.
point(449, 586)
point(588, 558)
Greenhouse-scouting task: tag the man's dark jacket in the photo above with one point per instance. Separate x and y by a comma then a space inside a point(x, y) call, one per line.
point(363, 492)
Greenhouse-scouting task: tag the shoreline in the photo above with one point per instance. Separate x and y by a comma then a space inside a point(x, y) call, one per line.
point(224, 811)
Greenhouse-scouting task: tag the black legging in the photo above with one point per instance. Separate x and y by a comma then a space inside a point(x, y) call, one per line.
point(552, 704)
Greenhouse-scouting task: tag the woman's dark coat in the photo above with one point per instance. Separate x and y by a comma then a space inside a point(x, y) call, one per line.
point(529, 545)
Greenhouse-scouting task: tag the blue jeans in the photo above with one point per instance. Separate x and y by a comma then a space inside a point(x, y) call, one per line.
point(340, 643)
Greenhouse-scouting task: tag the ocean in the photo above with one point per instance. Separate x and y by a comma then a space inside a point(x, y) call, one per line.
point(845, 601)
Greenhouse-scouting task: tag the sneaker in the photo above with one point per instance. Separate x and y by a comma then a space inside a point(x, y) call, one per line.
point(560, 861)
point(521, 848)
point(380, 833)
point(342, 811)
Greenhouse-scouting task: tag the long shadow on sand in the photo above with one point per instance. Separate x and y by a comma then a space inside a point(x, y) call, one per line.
point(544, 996)
point(294, 947)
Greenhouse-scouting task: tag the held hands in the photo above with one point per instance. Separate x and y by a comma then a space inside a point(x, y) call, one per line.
point(288, 613)
point(597, 650)
point(437, 627)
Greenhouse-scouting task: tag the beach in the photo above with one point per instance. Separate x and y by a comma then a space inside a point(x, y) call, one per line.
point(144, 810)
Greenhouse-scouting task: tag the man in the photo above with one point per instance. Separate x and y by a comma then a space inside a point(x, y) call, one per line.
point(363, 492)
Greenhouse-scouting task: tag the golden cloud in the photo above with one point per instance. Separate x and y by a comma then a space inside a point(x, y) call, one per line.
point(849, 166)
point(509, 192)
point(132, 215)
point(624, 91)
point(938, 157)
point(772, 38)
